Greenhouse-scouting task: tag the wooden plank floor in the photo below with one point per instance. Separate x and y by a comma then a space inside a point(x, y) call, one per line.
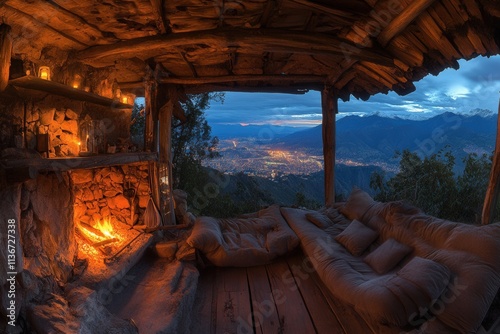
point(284, 297)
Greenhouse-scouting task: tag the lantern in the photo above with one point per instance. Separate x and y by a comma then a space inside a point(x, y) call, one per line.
point(44, 73)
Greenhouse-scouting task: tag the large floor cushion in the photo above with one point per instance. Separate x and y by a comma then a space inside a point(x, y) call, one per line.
point(242, 242)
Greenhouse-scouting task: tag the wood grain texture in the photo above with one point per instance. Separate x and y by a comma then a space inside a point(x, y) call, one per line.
point(265, 314)
point(5, 54)
point(493, 189)
point(400, 22)
point(246, 40)
point(329, 109)
point(293, 314)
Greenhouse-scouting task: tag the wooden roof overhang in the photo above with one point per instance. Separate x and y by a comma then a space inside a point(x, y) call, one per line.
point(343, 48)
point(357, 47)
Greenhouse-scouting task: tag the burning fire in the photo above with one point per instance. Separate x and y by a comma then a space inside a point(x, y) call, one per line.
point(105, 227)
point(101, 231)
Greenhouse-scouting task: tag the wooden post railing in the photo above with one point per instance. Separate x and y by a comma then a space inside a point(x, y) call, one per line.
point(491, 198)
point(329, 106)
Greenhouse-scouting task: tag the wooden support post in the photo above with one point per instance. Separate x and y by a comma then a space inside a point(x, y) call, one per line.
point(329, 106)
point(165, 116)
point(5, 54)
point(491, 198)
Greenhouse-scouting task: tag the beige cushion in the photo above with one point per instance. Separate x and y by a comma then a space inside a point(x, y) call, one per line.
point(319, 219)
point(358, 203)
point(242, 242)
point(356, 237)
point(387, 256)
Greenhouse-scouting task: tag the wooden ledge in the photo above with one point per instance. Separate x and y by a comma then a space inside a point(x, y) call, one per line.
point(30, 167)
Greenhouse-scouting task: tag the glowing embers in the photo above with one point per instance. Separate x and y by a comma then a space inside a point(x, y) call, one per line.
point(101, 233)
point(101, 238)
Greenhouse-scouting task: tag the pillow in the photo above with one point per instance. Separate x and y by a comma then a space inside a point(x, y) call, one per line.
point(387, 256)
point(357, 204)
point(429, 276)
point(356, 237)
point(206, 235)
point(319, 219)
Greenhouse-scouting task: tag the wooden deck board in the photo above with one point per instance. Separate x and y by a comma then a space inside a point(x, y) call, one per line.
point(233, 302)
point(281, 298)
point(264, 310)
point(206, 299)
point(293, 314)
point(324, 319)
point(350, 321)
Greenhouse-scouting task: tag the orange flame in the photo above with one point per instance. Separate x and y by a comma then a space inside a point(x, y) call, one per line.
point(105, 227)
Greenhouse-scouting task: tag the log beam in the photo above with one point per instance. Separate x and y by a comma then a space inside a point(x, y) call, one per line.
point(329, 107)
point(161, 22)
point(297, 90)
point(400, 22)
point(165, 157)
point(5, 55)
point(493, 190)
point(242, 40)
point(244, 78)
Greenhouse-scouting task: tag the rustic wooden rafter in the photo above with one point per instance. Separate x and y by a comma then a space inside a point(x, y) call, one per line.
point(37, 24)
point(320, 8)
point(46, 9)
point(298, 90)
point(243, 78)
point(161, 22)
point(400, 22)
point(5, 54)
point(189, 64)
point(250, 40)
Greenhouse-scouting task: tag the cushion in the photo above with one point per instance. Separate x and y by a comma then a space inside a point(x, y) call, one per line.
point(242, 242)
point(356, 237)
point(357, 204)
point(387, 256)
point(429, 276)
point(319, 219)
point(206, 235)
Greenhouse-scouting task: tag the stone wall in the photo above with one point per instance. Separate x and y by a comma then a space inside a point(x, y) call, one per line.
point(45, 240)
point(107, 192)
point(24, 115)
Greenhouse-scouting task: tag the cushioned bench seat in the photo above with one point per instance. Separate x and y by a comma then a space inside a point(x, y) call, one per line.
point(444, 283)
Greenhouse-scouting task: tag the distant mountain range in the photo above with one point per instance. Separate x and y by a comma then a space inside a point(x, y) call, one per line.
point(373, 140)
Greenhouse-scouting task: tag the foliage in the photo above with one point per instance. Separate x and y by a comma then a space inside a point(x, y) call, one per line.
point(431, 185)
point(302, 201)
point(192, 141)
point(138, 121)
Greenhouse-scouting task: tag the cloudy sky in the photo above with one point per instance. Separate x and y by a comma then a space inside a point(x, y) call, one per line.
point(475, 85)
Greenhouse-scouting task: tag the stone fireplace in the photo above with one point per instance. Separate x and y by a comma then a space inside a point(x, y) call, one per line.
point(77, 219)
point(108, 211)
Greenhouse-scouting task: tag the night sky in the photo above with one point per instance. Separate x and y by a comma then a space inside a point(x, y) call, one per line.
point(475, 85)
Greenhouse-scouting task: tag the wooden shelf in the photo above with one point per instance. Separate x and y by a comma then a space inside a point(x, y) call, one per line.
point(64, 164)
point(31, 82)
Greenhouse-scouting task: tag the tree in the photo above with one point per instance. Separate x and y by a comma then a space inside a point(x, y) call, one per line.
point(428, 184)
point(137, 125)
point(192, 142)
point(431, 185)
point(472, 186)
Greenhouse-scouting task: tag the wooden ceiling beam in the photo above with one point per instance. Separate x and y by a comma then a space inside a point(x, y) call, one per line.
point(319, 8)
point(270, 40)
point(161, 23)
point(297, 90)
point(48, 10)
point(402, 20)
point(41, 25)
point(243, 78)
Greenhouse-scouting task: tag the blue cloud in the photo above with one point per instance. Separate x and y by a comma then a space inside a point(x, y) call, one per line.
point(475, 85)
